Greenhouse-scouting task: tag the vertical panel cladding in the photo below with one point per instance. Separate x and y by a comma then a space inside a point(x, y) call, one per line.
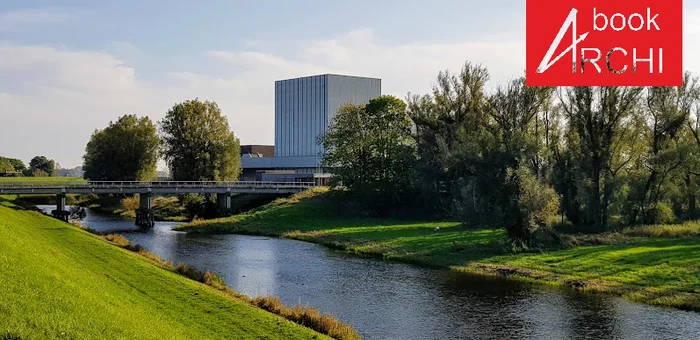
point(277, 105)
point(290, 119)
point(317, 110)
point(309, 115)
point(279, 118)
point(300, 119)
point(299, 115)
point(289, 115)
point(324, 105)
point(295, 109)
point(304, 114)
point(306, 111)
point(279, 122)
point(312, 110)
point(284, 115)
point(351, 90)
point(280, 148)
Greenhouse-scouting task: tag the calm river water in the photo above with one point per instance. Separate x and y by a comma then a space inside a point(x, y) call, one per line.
point(395, 301)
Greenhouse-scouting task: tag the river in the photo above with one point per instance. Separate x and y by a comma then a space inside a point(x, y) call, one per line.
point(395, 301)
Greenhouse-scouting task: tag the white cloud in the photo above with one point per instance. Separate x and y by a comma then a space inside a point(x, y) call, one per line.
point(52, 99)
point(21, 19)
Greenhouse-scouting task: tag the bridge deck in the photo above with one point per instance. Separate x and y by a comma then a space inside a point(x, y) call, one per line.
point(162, 188)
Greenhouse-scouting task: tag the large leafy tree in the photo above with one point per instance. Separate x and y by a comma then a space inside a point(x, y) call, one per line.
point(667, 111)
point(198, 143)
point(126, 150)
point(42, 166)
point(599, 116)
point(525, 201)
point(450, 125)
point(369, 149)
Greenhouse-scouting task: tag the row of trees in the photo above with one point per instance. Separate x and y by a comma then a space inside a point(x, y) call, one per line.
point(194, 139)
point(519, 156)
point(39, 166)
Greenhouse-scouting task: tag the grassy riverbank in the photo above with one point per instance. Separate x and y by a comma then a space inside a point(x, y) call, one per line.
point(657, 265)
point(57, 281)
point(43, 180)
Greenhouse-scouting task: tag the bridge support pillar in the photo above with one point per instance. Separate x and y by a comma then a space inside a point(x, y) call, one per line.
point(144, 214)
point(223, 201)
point(61, 213)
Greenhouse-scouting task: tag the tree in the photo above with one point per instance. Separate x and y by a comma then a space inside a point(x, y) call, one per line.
point(524, 200)
point(6, 166)
point(369, 149)
point(668, 111)
point(126, 150)
point(450, 124)
point(198, 144)
point(694, 125)
point(597, 116)
point(17, 164)
point(42, 166)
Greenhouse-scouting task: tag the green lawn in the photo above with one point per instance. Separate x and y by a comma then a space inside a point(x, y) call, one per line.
point(59, 282)
point(309, 216)
point(42, 180)
point(662, 271)
point(658, 264)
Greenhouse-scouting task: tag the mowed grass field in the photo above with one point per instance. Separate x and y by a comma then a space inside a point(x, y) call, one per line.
point(309, 216)
point(654, 264)
point(59, 282)
point(660, 271)
point(42, 180)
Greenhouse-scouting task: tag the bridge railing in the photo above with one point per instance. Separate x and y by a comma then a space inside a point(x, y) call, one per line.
point(163, 184)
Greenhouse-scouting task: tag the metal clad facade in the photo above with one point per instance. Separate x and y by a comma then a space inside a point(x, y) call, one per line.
point(350, 90)
point(304, 108)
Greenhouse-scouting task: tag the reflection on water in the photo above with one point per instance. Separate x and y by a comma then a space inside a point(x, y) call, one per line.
point(395, 301)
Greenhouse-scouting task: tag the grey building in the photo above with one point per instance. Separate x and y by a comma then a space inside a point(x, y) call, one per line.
point(304, 108)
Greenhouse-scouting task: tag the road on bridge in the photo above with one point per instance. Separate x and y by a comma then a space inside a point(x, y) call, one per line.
point(156, 188)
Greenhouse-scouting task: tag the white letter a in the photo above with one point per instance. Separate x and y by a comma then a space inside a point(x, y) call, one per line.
point(547, 61)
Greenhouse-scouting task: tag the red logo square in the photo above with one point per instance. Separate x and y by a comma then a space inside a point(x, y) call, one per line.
point(604, 43)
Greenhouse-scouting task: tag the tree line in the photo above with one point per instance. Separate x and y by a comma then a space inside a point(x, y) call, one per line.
point(524, 157)
point(193, 138)
point(39, 166)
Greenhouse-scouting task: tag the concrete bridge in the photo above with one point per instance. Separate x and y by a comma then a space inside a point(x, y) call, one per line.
point(146, 191)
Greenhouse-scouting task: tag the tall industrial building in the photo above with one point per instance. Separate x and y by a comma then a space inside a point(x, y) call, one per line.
point(304, 108)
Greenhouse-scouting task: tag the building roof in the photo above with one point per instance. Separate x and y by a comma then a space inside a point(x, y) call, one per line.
point(330, 74)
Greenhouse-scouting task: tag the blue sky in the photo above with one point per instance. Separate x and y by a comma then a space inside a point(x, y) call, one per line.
point(68, 69)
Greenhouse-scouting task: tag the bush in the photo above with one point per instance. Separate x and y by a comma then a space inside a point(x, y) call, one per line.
point(130, 203)
point(191, 272)
point(117, 239)
point(537, 205)
point(662, 213)
point(199, 205)
point(687, 229)
point(308, 317)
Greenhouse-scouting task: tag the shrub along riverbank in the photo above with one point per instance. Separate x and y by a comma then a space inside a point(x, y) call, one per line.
point(652, 264)
point(62, 282)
